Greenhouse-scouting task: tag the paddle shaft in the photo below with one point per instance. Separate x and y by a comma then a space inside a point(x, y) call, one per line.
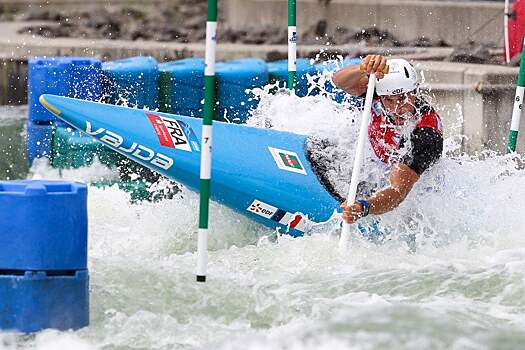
point(358, 160)
point(207, 128)
point(292, 44)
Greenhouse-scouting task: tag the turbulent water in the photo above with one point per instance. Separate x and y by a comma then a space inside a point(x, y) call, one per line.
point(13, 163)
point(461, 287)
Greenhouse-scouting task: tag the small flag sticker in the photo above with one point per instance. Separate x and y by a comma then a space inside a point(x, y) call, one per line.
point(287, 160)
point(295, 221)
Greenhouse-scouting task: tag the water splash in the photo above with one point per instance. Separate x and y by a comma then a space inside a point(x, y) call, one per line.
point(461, 288)
point(468, 186)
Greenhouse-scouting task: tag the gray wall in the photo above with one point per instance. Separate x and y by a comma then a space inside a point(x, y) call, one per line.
point(13, 81)
point(475, 100)
point(452, 21)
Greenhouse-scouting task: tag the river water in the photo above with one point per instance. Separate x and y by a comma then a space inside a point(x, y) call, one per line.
point(461, 287)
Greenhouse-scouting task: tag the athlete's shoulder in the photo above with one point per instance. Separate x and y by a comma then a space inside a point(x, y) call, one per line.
point(429, 118)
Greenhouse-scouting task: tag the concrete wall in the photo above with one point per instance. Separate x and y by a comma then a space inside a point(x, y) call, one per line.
point(475, 101)
point(9, 6)
point(13, 81)
point(452, 21)
point(13, 44)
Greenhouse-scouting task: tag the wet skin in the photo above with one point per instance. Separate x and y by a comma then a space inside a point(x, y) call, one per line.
point(398, 105)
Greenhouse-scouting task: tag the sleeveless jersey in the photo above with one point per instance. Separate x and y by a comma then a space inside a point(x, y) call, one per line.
point(384, 136)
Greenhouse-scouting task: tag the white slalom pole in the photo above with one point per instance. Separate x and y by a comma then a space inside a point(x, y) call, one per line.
point(358, 160)
point(506, 31)
point(292, 44)
point(207, 128)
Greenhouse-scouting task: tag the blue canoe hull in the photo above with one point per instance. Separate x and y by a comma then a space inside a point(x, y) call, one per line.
point(261, 173)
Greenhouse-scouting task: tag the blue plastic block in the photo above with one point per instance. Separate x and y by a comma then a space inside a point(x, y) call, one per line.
point(331, 66)
point(39, 137)
point(234, 78)
point(35, 300)
point(43, 225)
point(132, 80)
point(278, 71)
point(181, 86)
point(78, 77)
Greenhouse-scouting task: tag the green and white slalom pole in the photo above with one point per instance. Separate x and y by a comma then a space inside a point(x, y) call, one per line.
point(207, 127)
point(518, 103)
point(292, 44)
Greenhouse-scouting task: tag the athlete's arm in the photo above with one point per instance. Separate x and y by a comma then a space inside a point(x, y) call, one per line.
point(351, 79)
point(354, 79)
point(402, 179)
point(427, 146)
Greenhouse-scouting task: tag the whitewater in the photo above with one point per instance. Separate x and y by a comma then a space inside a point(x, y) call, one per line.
point(461, 286)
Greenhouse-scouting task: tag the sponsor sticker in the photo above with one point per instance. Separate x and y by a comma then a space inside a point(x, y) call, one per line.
point(397, 91)
point(262, 209)
point(135, 150)
point(174, 133)
point(293, 37)
point(190, 134)
point(287, 160)
point(296, 221)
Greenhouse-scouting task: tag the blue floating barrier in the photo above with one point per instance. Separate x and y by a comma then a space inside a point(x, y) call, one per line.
point(181, 87)
point(132, 80)
point(44, 225)
point(77, 77)
point(35, 300)
point(43, 255)
point(39, 137)
point(278, 71)
point(233, 79)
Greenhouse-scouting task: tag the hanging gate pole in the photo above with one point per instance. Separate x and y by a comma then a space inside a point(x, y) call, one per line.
point(207, 127)
point(518, 103)
point(506, 16)
point(292, 44)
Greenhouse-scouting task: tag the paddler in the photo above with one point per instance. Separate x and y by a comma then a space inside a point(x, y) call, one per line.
point(396, 107)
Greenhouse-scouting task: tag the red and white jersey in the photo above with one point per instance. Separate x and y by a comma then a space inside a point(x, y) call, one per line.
point(384, 135)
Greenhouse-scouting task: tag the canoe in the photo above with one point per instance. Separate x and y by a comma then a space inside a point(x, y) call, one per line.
point(261, 173)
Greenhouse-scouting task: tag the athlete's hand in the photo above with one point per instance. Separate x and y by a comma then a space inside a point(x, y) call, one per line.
point(352, 213)
point(374, 64)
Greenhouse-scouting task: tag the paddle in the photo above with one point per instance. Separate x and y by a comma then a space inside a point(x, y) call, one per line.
point(358, 160)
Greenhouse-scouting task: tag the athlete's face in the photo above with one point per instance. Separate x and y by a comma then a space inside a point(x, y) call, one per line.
point(398, 105)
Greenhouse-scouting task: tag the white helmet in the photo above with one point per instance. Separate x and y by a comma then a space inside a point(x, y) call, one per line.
point(401, 78)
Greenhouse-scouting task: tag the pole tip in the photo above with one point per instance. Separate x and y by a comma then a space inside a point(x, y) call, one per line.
point(201, 278)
